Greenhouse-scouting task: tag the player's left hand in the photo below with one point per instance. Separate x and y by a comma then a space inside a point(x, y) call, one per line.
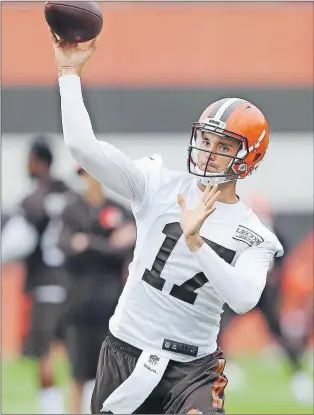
point(192, 220)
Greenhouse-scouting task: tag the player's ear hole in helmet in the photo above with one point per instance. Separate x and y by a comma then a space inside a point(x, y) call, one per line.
point(241, 125)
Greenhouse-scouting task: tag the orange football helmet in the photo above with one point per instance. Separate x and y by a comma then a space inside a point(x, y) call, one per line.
point(235, 119)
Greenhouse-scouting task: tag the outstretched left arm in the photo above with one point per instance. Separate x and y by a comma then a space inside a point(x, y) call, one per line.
point(240, 286)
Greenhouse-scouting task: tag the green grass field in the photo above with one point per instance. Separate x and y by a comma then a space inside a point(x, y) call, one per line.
point(267, 389)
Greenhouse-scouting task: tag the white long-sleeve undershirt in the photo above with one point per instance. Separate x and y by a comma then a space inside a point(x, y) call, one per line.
point(240, 286)
point(100, 159)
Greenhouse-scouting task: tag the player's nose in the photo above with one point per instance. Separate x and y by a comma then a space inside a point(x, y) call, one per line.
point(210, 156)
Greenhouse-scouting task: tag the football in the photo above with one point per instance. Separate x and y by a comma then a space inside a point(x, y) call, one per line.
point(74, 21)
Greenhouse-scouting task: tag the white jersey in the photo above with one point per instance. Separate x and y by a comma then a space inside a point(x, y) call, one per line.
point(173, 298)
point(167, 296)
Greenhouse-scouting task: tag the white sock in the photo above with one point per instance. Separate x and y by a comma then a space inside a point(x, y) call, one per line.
point(88, 388)
point(302, 388)
point(51, 401)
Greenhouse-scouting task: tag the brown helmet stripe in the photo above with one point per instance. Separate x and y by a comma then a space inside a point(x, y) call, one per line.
point(224, 108)
point(217, 107)
point(228, 111)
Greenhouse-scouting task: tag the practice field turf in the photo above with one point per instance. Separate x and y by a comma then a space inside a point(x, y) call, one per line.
point(266, 390)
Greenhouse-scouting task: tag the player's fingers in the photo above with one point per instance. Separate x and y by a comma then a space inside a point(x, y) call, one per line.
point(93, 45)
point(211, 193)
point(96, 41)
point(209, 212)
point(63, 44)
point(212, 200)
point(66, 46)
point(206, 192)
point(53, 36)
point(181, 201)
point(70, 45)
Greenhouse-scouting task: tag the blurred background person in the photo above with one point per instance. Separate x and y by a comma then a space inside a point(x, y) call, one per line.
point(269, 305)
point(98, 235)
point(31, 234)
point(296, 318)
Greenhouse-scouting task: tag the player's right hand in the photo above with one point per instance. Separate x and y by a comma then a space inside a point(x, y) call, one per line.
point(69, 57)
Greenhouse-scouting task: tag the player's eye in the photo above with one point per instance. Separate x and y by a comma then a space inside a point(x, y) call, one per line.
point(224, 148)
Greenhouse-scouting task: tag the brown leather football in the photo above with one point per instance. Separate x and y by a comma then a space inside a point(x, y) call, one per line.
point(74, 21)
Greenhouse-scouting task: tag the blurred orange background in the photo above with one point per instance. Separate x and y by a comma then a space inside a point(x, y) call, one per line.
point(228, 43)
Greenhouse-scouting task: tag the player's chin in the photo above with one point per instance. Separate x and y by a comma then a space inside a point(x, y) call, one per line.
point(209, 169)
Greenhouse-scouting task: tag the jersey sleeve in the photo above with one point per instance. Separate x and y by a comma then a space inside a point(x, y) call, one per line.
point(100, 159)
point(151, 168)
point(240, 286)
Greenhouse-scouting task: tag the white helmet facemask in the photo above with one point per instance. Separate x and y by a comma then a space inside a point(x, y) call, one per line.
point(196, 147)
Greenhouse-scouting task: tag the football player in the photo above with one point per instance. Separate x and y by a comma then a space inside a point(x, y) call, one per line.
point(198, 246)
point(31, 235)
point(293, 342)
point(96, 238)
